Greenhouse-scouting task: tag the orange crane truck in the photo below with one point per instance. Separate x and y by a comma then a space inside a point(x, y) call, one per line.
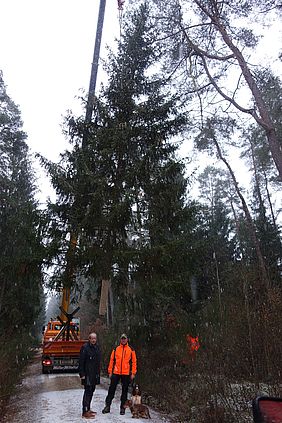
point(61, 340)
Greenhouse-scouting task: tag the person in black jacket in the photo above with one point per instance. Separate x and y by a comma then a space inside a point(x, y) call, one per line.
point(89, 372)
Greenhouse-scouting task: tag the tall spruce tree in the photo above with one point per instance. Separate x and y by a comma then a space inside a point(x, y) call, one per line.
point(20, 254)
point(125, 179)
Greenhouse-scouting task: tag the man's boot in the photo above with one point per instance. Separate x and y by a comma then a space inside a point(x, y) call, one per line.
point(122, 411)
point(107, 409)
point(88, 415)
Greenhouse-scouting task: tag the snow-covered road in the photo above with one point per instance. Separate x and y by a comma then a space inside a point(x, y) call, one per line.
point(56, 398)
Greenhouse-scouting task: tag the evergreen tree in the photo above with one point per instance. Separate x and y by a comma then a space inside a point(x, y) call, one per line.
point(263, 210)
point(124, 185)
point(216, 232)
point(21, 252)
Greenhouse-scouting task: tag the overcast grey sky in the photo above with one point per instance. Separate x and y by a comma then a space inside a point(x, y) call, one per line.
point(46, 50)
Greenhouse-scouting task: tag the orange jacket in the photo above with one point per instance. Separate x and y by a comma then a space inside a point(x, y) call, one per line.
point(123, 361)
point(193, 343)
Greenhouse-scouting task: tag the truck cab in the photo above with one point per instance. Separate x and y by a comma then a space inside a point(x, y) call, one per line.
point(55, 326)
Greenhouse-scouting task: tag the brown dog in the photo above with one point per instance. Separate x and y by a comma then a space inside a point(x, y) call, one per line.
point(138, 411)
point(136, 395)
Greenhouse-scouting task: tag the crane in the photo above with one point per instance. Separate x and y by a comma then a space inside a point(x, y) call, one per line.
point(61, 343)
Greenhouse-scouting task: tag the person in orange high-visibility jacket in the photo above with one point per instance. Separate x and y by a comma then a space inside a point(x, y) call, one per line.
point(122, 366)
point(193, 345)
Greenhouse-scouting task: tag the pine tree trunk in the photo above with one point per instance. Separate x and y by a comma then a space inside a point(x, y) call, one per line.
point(104, 299)
point(251, 226)
point(261, 203)
point(269, 201)
point(218, 282)
point(264, 119)
point(237, 226)
point(2, 291)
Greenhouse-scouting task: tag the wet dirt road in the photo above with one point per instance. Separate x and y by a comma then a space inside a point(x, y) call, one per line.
point(56, 398)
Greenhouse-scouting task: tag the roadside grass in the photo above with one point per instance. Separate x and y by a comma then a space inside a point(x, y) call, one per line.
point(190, 395)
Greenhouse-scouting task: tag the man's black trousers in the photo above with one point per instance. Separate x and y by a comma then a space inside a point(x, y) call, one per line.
point(87, 397)
point(125, 381)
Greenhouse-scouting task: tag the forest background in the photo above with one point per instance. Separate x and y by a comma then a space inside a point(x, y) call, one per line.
point(176, 260)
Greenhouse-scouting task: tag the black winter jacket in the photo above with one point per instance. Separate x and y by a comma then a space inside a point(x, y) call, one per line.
point(89, 363)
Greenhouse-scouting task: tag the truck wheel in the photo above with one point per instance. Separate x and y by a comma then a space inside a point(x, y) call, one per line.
point(46, 370)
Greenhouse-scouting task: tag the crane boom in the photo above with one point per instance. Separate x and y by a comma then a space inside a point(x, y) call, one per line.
point(95, 63)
